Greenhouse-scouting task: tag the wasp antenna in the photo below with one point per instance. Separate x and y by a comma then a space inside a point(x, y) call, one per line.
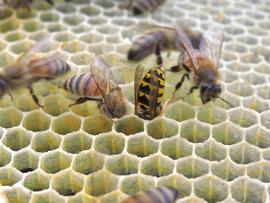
point(225, 101)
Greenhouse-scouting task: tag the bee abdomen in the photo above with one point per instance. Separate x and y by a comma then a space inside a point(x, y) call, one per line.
point(145, 45)
point(156, 195)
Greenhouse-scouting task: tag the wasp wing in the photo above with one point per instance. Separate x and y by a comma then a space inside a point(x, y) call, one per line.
point(183, 42)
point(154, 91)
point(137, 80)
point(211, 43)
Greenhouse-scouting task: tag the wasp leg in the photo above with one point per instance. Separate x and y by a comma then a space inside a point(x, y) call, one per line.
point(85, 99)
point(191, 89)
point(180, 83)
point(158, 54)
point(34, 96)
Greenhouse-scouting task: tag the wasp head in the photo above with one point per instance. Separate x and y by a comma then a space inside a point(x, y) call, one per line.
point(209, 91)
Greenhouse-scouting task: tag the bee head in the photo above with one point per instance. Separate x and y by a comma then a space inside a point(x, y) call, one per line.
point(3, 87)
point(209, 91)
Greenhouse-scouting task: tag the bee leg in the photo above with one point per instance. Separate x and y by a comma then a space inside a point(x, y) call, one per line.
point(85, 99)
point(180, 83)
point(158, 54)
point(191, 89)
point(34, 96)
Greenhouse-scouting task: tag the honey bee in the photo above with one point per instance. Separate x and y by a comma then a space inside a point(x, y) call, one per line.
point(155, 195)
point(165, 36)
point(142, 6)
point(27, 70)
point(99, 85)
point(149, 90)
point(202, 64)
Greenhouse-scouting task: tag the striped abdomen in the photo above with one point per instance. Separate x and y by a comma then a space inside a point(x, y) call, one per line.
point(84, 85)
point(156, 195)
point(145, 45)
point(145, 99)
point(51, 66)
point(142, 6)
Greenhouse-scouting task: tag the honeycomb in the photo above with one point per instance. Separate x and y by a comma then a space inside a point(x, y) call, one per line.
point(210, 153)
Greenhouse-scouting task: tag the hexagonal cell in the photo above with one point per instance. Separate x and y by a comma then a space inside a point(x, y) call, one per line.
point(64, 36)
point(25, 103)
point(115, 196)
point(10, 117)
point(192, 167)
point(55, 161)
point(211, 189)
point(88, 162)
point(260, 171)
point(36, 121)
point(129, 125)
point(67, 183)
point(9, 25)
point(66, 123)
point(6, 59)
point(236, 47)
point(142, 145)
point(194, 131)
point(15, 36)
point(265, 119)
point(255, 79)
point(248, 190)
point(73, 20)
point(36, 181)
point(74, 47)
point(122, 164)
point(243, 117)
point(49, 16)
point(255, 104)
point(133, 184)
point(55, 105)
point(228, 76)
point(111, 143)
point(100, 183)
point(17, 139)
point(157, 165)
point(95, 125)
point(25, 161)
point(212, 115)
point(263, 91)
point(211, 150)
point(258, 136)
point(101, 48)
point(47, 197)
point(6, 13)
point(5, 157)
point(161, 128)
point(178, 182)
point(250, 58)
point(56, 27)
point(90, 10)
point(45, 141)
point(176, 147)
point(32, 26)
point(243, 89)
point(17, 195)
point(227, 133)
point(244, 153)
point(180, 111)
point(81, 198)
point(227, 170)
point(66, 8)
point(9, 176)
point(92, 38)
point(77, 142)
point(98, 20)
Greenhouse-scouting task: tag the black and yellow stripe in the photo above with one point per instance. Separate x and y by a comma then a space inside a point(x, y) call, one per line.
point(144, 91)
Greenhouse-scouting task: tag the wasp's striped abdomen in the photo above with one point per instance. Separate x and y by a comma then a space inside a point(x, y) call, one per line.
point(142, 6)
point(84, 85)
point(156, 195)
point(144, 97)
point(48, 66)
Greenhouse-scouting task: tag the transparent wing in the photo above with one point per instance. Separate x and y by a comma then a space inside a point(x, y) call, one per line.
point(154, 89)
point(137, 80)
point(211, 43)
point(183, 42)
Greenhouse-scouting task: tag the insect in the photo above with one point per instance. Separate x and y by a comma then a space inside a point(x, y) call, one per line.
point(149, 90)
point(142, 6)
point(202, 64)
point(165, 36)
point(155, 195)
point(28, 69)
point(99, 85)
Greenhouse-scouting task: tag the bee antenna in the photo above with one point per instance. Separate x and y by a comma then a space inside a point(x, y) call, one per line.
point(225, 101)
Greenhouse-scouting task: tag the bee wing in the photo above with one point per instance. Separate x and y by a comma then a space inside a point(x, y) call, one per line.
point(211, 43)
point(183, 42)
point(137, 80)
point(154, 89)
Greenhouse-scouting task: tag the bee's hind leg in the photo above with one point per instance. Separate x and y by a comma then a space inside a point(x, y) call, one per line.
point(30, 87)
point(85, 99)
point(192, 89)
point(158, 53)
point(180, 83)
